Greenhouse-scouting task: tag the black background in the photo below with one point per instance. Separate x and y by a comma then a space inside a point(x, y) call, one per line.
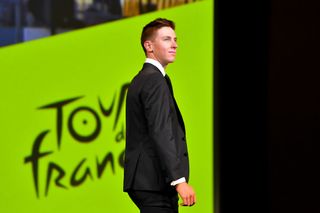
point(267, 108)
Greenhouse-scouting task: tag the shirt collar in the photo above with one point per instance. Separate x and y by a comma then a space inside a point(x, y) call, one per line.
point(156, 64)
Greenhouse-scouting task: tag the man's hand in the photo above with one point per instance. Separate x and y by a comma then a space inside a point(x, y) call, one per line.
point(186, 193)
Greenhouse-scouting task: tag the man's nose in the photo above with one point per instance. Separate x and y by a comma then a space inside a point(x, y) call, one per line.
point(174, 44)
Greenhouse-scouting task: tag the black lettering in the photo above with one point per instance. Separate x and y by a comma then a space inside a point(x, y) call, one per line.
point(120, 104)
point(107, 112)
point(121, 159)
point(34, 159)
point(101, 166)
point(121, 135)
point(76, 182)
point(76, 135)
point(52, 166)
point(58, 105)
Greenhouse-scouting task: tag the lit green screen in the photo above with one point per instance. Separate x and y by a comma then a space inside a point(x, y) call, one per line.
point(63, 117)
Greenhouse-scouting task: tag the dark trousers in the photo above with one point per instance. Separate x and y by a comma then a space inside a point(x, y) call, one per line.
point(155, 202)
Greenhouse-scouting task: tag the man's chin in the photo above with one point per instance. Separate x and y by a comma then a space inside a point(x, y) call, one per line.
point(171, 61)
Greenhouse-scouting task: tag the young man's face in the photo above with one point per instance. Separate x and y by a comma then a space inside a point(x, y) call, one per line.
point(163, 46)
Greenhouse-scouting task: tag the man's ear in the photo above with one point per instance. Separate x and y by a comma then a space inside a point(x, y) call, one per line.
point(148, 46)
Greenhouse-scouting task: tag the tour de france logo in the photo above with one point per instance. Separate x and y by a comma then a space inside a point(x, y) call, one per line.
point(55, 175)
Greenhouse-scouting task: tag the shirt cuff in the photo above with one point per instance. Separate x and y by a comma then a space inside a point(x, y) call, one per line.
point(180, 180)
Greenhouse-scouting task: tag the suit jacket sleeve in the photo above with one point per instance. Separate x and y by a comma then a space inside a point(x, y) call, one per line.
point(159, 109)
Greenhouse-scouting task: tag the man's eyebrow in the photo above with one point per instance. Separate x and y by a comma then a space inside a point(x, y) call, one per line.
point(175, 38)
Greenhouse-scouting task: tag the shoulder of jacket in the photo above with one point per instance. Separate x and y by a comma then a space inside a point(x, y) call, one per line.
point(151, 74)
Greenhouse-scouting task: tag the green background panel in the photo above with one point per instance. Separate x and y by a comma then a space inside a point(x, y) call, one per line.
point(95, 63)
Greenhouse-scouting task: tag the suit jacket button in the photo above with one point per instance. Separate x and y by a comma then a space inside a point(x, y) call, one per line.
point(183, 138)
point(185, 154)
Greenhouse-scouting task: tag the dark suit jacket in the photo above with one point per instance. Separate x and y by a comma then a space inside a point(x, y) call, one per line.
point(156, 150)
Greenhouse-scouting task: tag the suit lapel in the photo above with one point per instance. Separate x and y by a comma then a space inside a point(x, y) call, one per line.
point(148, 66)
point(180, 119)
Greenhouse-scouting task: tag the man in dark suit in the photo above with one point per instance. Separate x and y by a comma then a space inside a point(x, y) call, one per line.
point(156, 166)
